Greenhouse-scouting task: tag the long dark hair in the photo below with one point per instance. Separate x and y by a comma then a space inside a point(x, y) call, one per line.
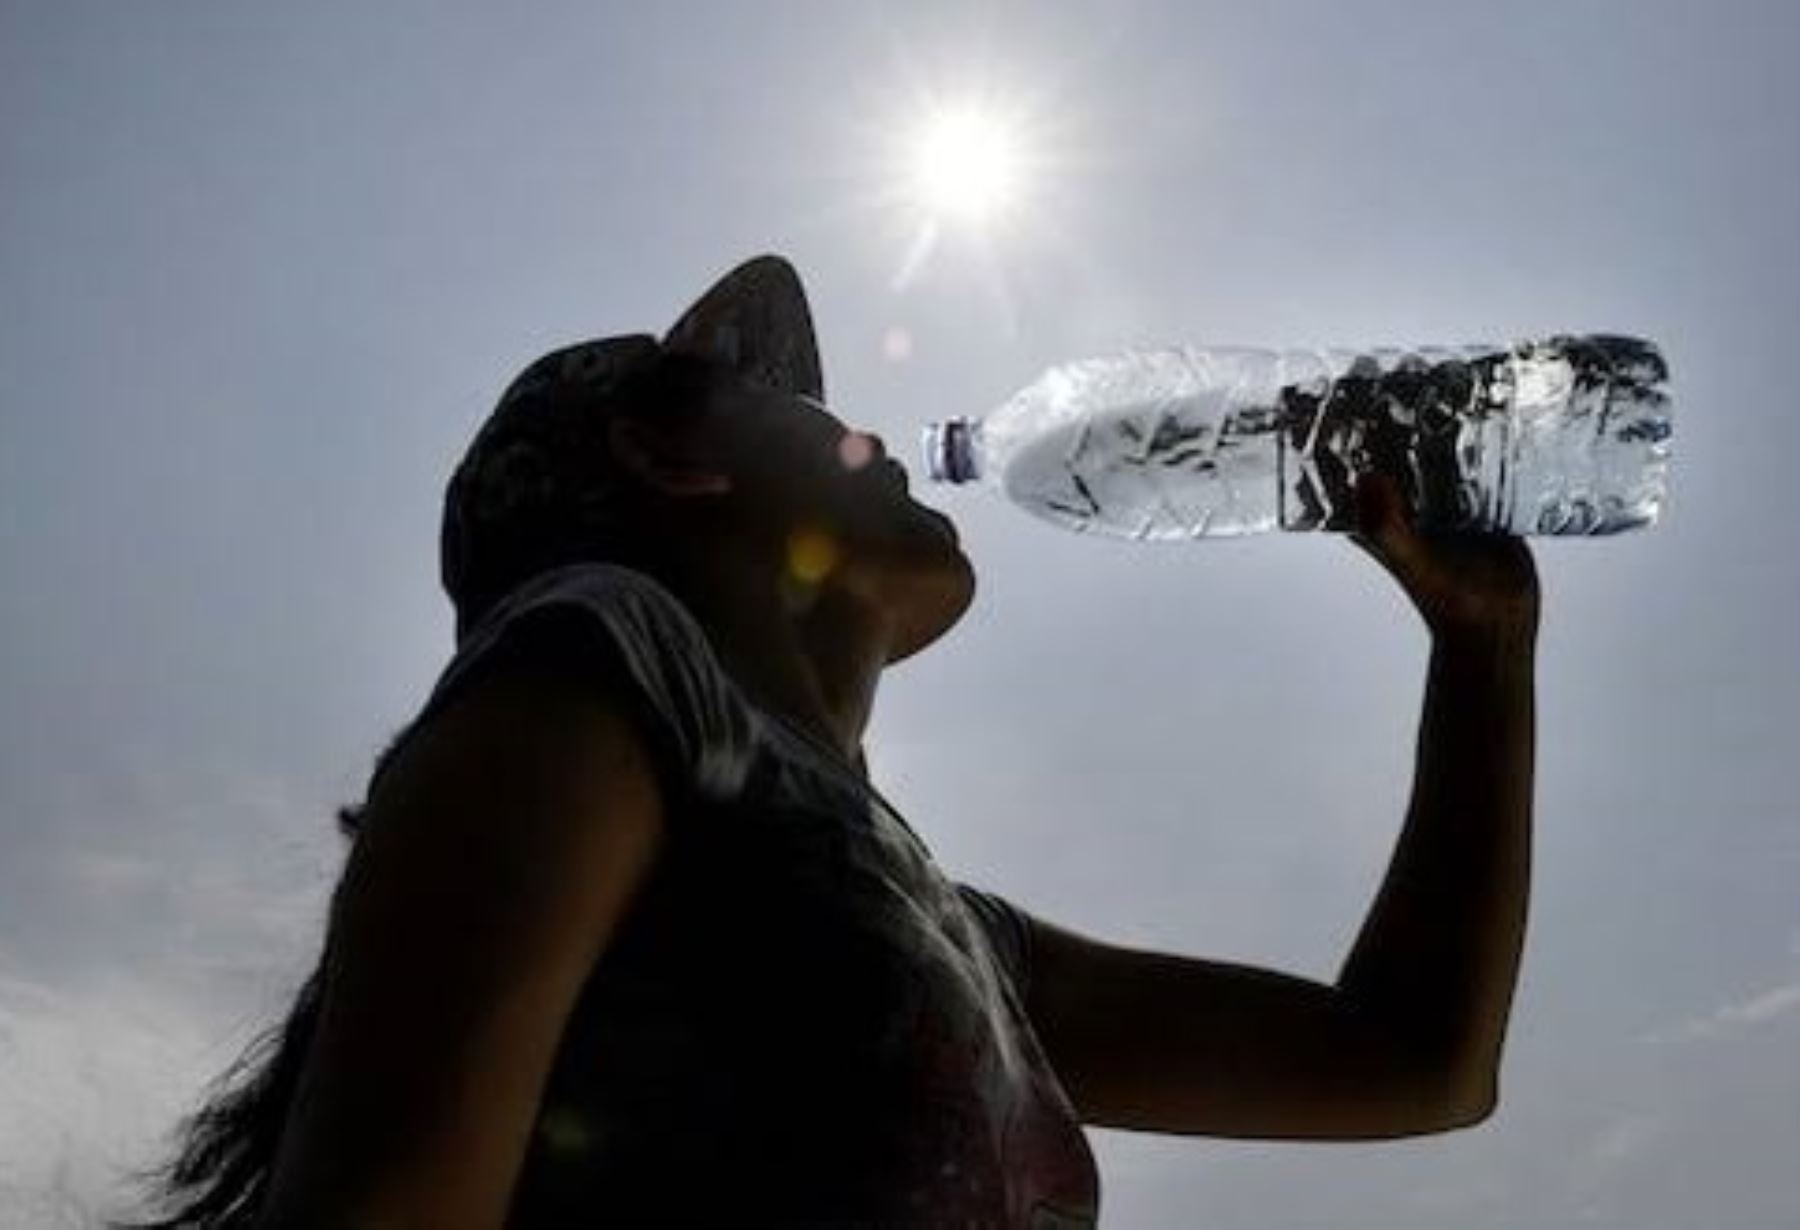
point(225, 1150)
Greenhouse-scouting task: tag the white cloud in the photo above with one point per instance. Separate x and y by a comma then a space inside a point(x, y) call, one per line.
point(1767, 1006)
point(174, 941)
point(1732, 1019)
point(92, 1078)
point(1626, 1138)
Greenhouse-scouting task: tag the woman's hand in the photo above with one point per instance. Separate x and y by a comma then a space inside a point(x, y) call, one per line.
point(1465, 584)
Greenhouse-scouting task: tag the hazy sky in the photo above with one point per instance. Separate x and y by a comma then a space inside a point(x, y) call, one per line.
point(264, 268)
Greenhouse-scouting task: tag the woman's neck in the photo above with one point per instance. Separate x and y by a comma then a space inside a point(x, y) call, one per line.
point(813, 656)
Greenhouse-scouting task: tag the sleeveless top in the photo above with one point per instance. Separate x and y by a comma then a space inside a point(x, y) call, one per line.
point(800, 1022)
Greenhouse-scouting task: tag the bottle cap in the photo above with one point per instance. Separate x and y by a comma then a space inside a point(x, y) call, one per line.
point(949, 452)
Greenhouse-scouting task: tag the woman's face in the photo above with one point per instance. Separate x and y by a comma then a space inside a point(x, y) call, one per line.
point(843, 506)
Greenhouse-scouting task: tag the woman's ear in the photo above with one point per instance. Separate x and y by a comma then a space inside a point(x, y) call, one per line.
point(653, 462)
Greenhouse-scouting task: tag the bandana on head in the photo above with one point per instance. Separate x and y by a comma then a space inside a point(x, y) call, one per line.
point(529, 475)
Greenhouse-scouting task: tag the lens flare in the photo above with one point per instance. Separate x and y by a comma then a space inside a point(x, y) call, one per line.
point(855, 450)
point(812, 555)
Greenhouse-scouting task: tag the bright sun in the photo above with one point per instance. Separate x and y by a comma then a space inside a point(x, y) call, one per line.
point(966, 165)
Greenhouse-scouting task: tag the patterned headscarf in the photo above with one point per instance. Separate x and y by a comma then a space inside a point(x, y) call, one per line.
point(530, 492)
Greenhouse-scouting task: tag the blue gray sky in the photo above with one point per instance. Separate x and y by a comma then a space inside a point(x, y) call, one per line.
point(263, 269)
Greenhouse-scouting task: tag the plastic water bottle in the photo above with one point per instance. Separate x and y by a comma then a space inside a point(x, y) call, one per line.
point(1565, 435)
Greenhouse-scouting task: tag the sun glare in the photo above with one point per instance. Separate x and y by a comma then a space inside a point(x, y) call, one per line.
point(972, 176)
point(966, 165)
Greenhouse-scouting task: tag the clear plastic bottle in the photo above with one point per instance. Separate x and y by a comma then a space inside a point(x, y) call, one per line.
point(1565, 435)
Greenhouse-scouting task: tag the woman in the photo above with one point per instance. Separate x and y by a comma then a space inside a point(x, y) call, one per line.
point(626, 937)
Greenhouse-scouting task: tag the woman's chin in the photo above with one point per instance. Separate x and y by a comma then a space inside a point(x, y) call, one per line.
point(927, 599)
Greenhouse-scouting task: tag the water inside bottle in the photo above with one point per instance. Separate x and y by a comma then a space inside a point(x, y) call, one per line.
point(1566, 436)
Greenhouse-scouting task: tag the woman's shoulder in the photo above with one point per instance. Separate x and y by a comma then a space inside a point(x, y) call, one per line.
point(622, 626)
point(596, 584)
